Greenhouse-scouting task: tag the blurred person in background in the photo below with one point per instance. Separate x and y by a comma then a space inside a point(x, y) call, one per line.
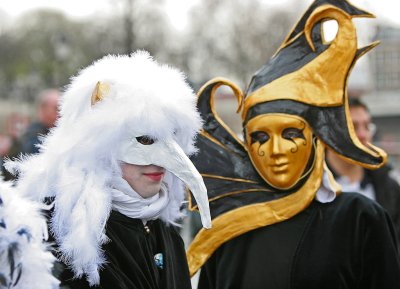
point(47, 113)
point(5, 145)
point(378, 184)
point(47, 116)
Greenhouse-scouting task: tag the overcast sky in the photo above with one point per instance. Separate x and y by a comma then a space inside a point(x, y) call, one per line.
point(177, 9)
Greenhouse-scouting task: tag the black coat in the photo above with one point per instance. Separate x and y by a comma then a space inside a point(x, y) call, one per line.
point(130, 257)
point(348, 243)
point(387, 192)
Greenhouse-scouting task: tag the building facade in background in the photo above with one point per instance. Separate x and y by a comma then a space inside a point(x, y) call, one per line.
point(383, 98)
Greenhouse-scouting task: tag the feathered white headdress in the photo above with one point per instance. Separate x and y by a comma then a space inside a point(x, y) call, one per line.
point(106, 107)
point(25, 261)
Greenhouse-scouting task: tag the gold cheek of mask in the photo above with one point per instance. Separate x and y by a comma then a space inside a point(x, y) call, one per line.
point(280, 147)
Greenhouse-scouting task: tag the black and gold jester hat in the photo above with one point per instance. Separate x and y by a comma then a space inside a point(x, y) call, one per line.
point(308, 77)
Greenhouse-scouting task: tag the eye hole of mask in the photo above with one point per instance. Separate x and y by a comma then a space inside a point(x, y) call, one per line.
point(259, 136)
point(291, 133)
point(145, 140)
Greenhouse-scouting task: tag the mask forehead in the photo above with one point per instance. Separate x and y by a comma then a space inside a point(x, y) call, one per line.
point(276, 122)
point(280, 147)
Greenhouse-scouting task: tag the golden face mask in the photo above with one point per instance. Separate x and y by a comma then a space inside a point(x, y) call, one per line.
point(279, 146)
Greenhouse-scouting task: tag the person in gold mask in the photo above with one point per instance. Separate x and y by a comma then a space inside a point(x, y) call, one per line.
point(279, 219)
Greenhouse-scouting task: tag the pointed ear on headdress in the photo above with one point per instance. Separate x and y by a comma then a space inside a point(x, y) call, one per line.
point(99, 92)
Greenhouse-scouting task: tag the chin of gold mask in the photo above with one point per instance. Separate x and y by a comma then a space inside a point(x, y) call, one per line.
point(280, 147)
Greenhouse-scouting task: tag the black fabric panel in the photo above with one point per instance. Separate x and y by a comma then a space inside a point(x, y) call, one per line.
point(214, 160)
point(350, 244)
point(262, 256)
point(387, 192)
point(228, 203)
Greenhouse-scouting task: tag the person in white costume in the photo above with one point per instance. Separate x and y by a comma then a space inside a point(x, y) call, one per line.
point(115, 165)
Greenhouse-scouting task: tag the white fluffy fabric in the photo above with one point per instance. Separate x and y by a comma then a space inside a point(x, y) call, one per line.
point(24, 228)
point(77, 160)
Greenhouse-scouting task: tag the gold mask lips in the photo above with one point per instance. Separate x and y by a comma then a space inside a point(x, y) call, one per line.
point(295, 105)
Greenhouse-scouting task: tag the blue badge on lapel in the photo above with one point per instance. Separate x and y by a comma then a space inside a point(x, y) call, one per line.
point(159, 260)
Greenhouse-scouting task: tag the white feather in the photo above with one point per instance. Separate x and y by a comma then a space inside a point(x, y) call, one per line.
point(18, 213)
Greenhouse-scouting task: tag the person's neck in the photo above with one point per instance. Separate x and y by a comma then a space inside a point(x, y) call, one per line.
point(353, 172)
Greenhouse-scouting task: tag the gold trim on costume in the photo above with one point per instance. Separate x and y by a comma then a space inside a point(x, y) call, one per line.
point(239, 221)
point(195, 208)
point(228, 178)
point(217, 82)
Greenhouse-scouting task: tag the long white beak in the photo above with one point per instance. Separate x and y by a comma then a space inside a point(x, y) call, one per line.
point(169, 155)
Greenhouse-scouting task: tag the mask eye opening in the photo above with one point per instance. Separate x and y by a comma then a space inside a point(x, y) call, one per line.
point(259, 136)
point(145, 140)
point(292, 133)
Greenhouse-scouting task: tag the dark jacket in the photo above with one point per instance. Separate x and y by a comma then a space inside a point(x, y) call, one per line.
point(26, 145)
point(31, 138)
point(348, 243)
point(130, 255)
point(387, 193)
